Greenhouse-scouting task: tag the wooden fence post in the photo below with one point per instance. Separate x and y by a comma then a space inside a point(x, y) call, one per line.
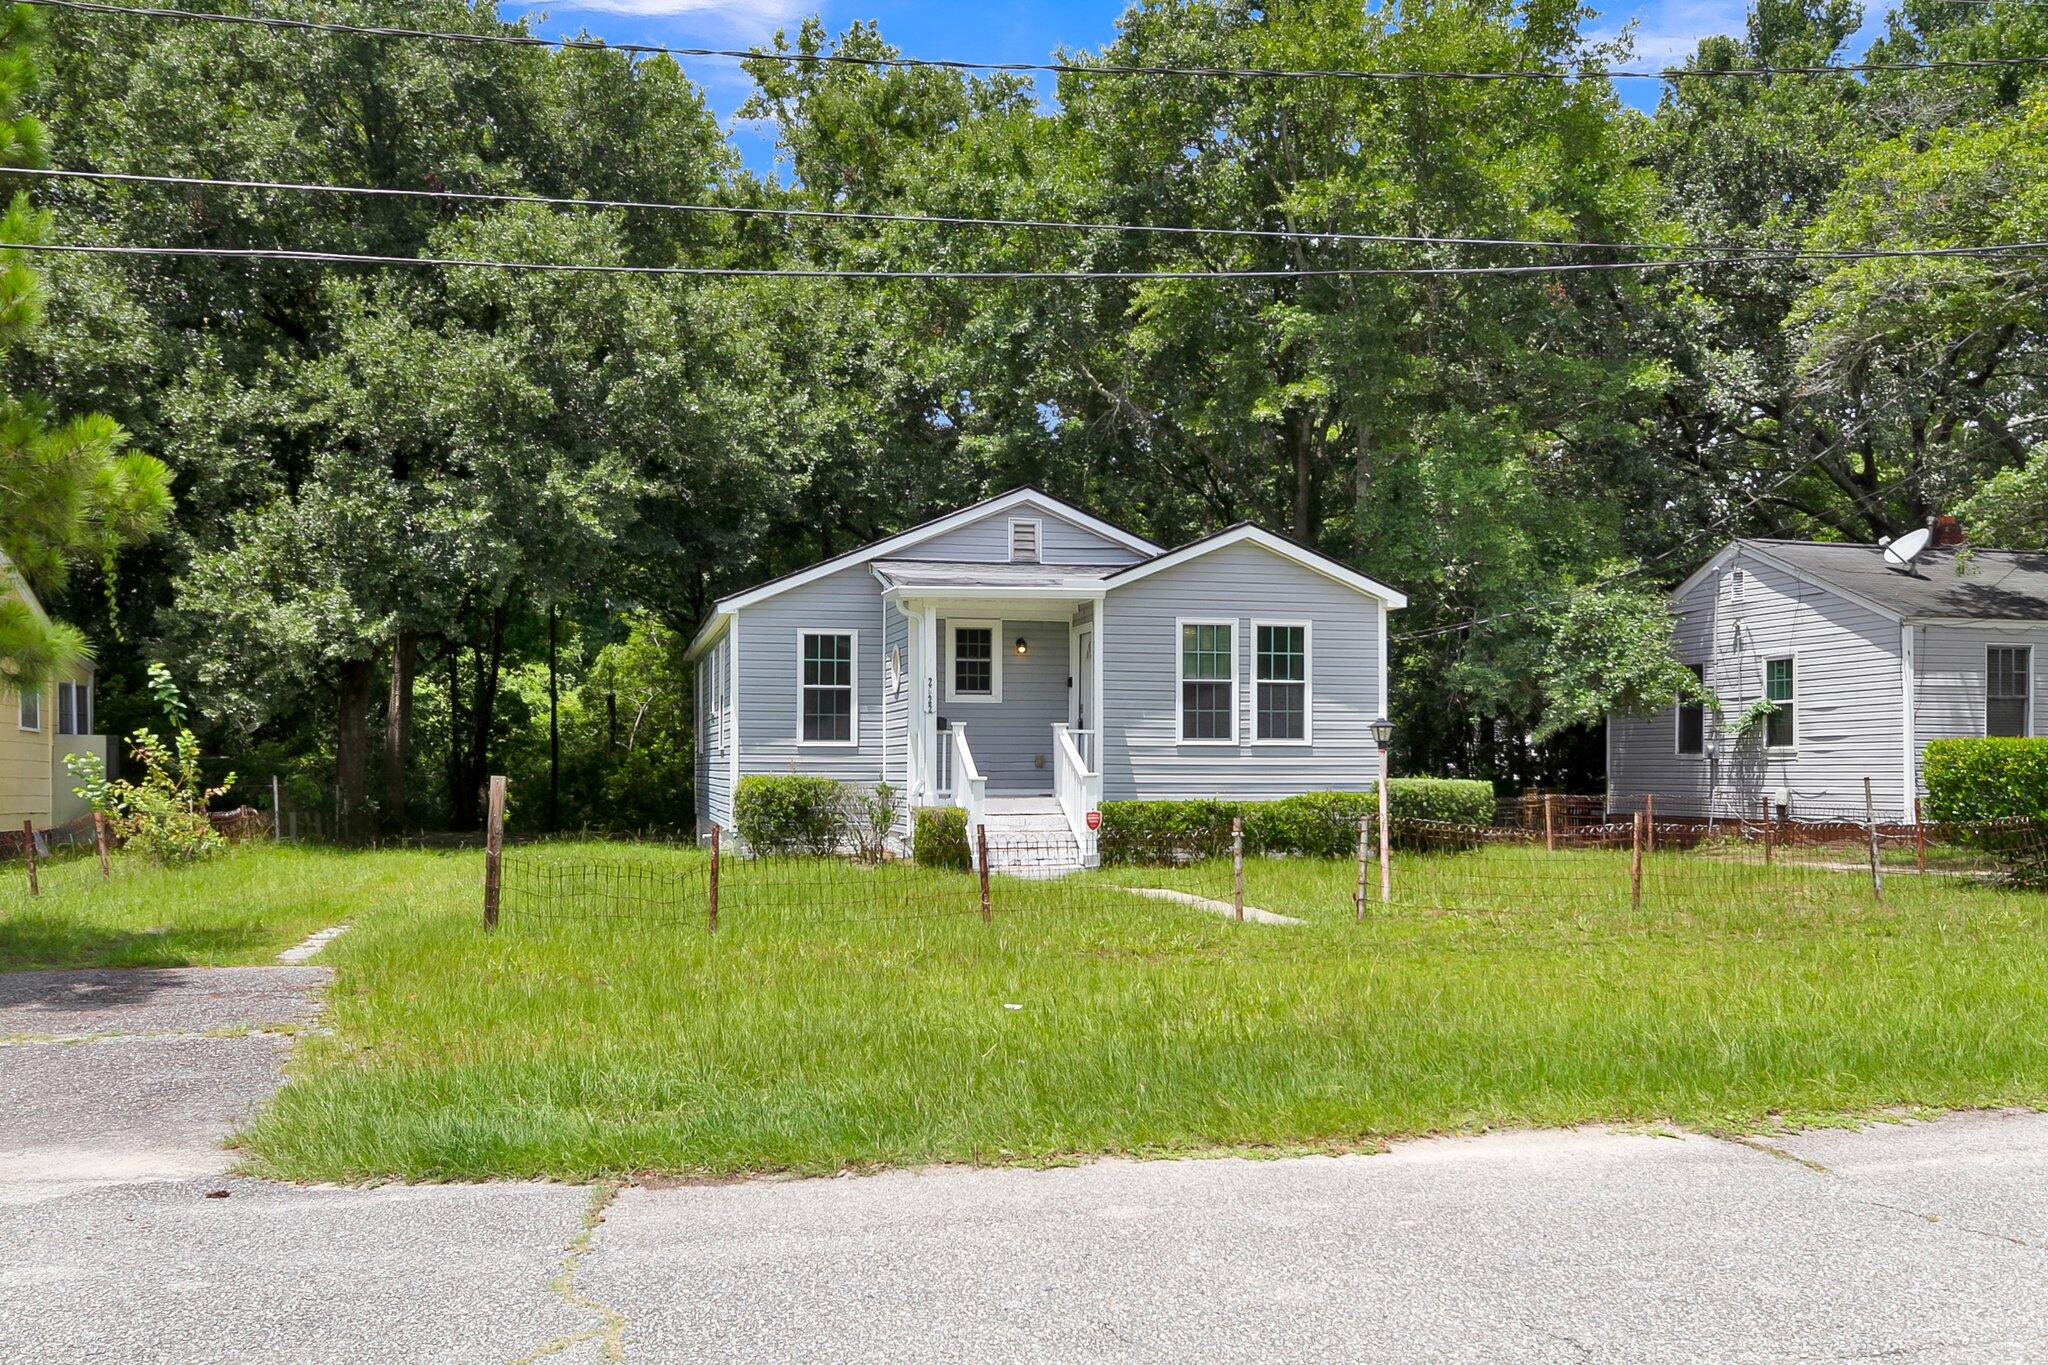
point(1870, 823)
point(711, 898)
point(99, 839)
point(981, 859)
point(1386, 842)
point(494, 838)
point(1635, 860)
point(1919, 838)
point(28, 853)
point(1358, 898)
point(1237, 866)
point(1550, 824)
point(1650, 823)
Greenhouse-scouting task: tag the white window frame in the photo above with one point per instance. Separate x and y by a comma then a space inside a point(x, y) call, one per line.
point(1764, 691)
point(2027, 674)
point(1308, 684)
point(1678, 713)
point(26, 699)
point(1037, 525)
point(1180, 623)
point(995, 661)
point(853, 700)
point(74, 708)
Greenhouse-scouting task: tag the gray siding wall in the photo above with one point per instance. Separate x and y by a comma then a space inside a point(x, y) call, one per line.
point(1138, 646)
point(1950, 665)
point(1850, 708)
point(1012, 739)
point(714, 762)
point(896, 710)
point(849, 600)
point(988, 541)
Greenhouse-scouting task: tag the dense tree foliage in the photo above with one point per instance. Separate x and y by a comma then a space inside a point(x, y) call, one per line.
point(425, 513)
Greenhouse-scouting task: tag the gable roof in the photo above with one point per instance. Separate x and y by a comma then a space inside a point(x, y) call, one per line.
point(1993, 585)
point(903, 540)
point(957, 573)
point(1244, 532)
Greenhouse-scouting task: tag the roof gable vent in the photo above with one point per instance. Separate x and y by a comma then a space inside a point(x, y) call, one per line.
point(1024, 537)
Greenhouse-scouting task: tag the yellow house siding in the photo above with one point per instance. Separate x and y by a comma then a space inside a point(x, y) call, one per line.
point(25, 759)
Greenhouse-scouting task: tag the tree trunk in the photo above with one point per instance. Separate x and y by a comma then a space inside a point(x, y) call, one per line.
point(554, 724)
point(351, 741)
point(485, 708)
point(405, 652)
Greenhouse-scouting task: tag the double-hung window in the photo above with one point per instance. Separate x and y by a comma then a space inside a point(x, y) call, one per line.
point(74, 708)
point(1692, 719)
point(30, 714)
point(2007, 690)
point(1280, 696)
point(827, 685)
point(1781, 730)
point(977, 668)
point(1208, 682)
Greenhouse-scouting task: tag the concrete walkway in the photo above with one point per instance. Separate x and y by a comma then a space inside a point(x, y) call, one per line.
point(1213, 907)
point(125, 1242)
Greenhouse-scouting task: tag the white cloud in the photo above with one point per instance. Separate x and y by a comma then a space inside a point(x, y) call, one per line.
point(1666, 34)
point(744, 12)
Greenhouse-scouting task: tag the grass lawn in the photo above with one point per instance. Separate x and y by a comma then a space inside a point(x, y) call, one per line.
point(240, 910)
point(808, 1035)
point(805, 1038)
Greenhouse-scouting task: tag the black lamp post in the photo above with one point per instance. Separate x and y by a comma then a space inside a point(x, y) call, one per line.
point(1383, 735)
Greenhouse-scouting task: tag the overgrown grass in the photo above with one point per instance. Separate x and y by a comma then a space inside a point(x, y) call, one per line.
point(243, 907)
point(799, 1039)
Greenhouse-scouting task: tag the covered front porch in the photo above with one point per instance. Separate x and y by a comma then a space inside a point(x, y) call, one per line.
point(1001, 682)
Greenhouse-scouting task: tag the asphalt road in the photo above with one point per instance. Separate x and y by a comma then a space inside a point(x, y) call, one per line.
point(121, 1239)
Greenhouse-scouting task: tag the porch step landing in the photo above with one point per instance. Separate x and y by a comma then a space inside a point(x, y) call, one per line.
point(1028, 836)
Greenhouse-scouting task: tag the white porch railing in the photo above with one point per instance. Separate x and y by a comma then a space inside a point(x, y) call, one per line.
point(1077, 784)
point(965, 784)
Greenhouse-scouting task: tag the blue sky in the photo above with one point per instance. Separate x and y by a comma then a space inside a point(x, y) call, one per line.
point(1665, 31)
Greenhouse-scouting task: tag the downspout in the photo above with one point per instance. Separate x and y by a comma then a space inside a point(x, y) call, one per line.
point(1910, 787)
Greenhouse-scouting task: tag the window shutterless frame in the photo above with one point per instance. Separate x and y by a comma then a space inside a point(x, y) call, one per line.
point(2009, 691)
point(1194, 638)
point(29, 709)
point(994, 631)
point(823, 672)
point(1689, 732)
point(1272, 657)
point(1781, 674)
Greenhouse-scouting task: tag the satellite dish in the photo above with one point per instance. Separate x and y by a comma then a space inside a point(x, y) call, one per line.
point(1901, 553)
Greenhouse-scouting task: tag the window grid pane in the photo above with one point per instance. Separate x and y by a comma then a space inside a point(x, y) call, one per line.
point(828, 689)
point(1205, 710)
point(2006, 691)
point(1283, 711)
point(1283, 654)
point(973, 661)
point(1205, 653)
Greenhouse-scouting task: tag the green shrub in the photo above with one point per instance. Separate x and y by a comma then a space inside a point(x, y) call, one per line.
point(1986, 779)
point(791, 813)
point(1313, 825)
point(940, 838)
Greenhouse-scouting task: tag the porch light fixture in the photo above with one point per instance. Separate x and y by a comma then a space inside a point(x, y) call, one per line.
point(1023, 647)
point(1382, 732)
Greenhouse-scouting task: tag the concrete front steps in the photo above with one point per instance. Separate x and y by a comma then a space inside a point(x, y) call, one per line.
point(1028, 836)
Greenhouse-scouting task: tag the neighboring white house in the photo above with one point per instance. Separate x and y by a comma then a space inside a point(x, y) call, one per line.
point(1865, 664)
point(1027, 661)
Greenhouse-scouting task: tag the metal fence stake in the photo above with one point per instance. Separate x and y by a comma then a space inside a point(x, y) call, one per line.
point(711, 895)
point(1870, 823)
point(1237, 866)
point(494, 837)
point(981, 857)
point(99, 840)
point(28, 852)
point(1358, 900)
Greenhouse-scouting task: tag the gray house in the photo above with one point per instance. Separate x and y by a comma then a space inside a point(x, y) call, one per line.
point(1864, 663)
point(1027, 661)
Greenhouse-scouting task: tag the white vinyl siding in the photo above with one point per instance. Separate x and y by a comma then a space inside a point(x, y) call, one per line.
point(1953, 687)
point(1060, 541)
point(1012, 742)
point(1138, 655)
point(768, 706)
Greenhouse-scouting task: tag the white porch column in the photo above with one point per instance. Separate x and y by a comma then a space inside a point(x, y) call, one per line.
point(925, 705)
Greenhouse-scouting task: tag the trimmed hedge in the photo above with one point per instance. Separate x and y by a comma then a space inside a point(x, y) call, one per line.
point(1969, 780)
point(791, 813)
point(940, 838)
point(1314, 825)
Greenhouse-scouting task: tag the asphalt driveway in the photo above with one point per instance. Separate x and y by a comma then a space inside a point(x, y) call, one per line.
point(122, 1239)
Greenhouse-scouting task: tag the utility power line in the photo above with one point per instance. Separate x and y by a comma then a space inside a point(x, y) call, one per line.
point(834, 273)
point(1739, 251)
point(1565, 73)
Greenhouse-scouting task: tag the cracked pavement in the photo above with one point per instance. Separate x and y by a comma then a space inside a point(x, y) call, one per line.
point(1925, 1241)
